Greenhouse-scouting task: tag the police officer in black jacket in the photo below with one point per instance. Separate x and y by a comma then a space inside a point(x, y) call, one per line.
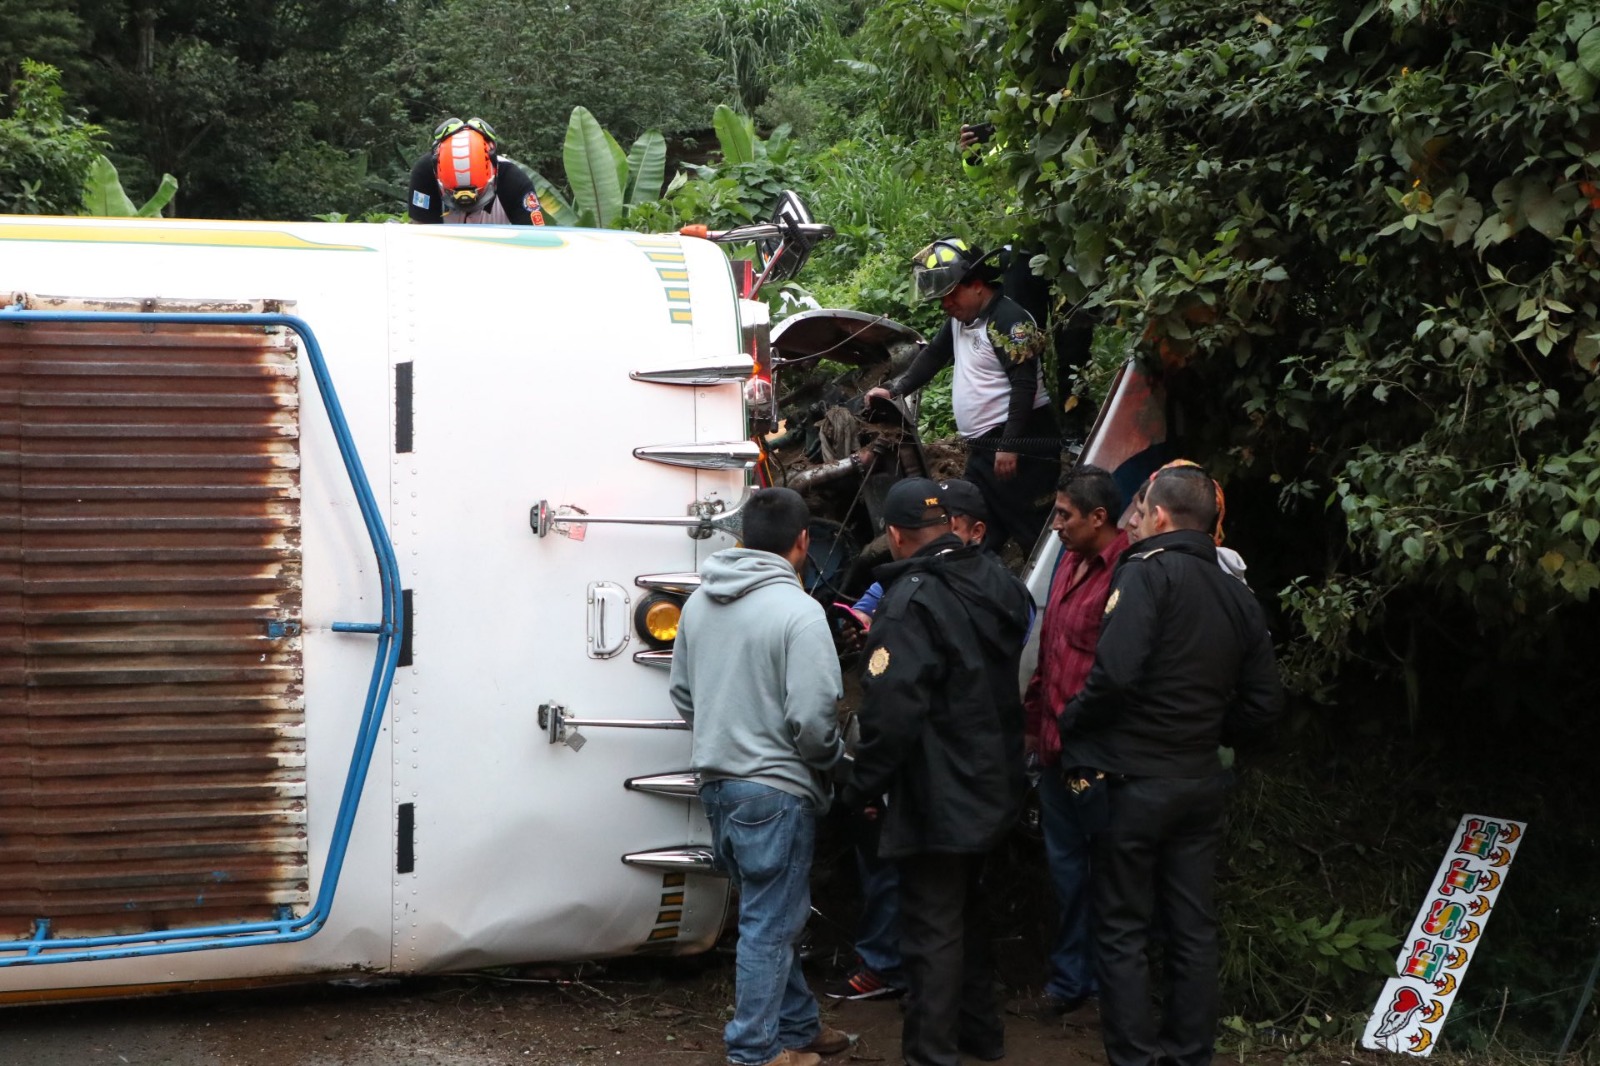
point(941, 735)
point(1184, 664)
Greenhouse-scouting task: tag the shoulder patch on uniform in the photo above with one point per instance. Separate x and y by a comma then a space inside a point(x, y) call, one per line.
point(878, 663)
point(1111, 604)
point(422, 200)
point(1020, 341)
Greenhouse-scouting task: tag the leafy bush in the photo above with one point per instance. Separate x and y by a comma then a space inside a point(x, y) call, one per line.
point(634, 64)
point(1316, 881)
point(44, 151)
point(887, 197)
point(310, 177)
point(1367, 233)
point(930, 60)
point(741, 187)
point(936, 414)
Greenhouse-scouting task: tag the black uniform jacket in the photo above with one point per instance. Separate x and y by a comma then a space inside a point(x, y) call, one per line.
point(941, 713)
point(1184, 663)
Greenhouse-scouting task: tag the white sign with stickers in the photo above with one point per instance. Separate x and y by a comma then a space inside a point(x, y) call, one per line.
point(1434, 957)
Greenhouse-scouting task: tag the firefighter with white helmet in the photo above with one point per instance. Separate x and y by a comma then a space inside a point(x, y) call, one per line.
point(1002, 408)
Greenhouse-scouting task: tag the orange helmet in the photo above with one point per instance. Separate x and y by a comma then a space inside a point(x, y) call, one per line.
point(465, 167)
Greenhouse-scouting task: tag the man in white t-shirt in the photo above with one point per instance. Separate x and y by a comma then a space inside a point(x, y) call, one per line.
point(1001, 406)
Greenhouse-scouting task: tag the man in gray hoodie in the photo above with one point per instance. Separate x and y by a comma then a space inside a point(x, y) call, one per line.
point(755, 674)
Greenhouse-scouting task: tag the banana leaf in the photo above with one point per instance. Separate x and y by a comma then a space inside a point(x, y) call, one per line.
point(102, 191)
point(735, 134)
point(151, 208)
point(104, 196)
point(590, 157)
point(780, 144)
point(619, 157)
point(647, 162)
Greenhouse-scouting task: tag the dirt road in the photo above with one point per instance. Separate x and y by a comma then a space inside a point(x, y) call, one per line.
point(627, 1014)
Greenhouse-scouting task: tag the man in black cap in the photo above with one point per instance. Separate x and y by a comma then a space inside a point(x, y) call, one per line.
point(877, 973)
point(969, 520)
point(969, 515)
point(941, 735)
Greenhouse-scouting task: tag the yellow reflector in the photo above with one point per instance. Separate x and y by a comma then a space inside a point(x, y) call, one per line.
point(661, 620)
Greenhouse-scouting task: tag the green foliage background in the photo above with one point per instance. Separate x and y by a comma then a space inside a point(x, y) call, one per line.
point(1364, 302)
point(1357, 239)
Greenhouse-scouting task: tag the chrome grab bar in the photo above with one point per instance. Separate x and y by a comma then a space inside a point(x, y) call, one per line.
point(704, 518)
point(562, 728)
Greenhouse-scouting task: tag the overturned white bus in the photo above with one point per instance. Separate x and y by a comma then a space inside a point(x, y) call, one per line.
point(292, 636)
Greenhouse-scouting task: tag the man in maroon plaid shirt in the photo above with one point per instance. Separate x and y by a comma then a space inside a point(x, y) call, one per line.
point(1085, 518)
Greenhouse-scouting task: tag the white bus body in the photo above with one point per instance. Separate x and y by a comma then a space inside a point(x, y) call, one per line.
point(178, 753)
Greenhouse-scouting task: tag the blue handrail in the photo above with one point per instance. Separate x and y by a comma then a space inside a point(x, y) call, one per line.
point(40, 948)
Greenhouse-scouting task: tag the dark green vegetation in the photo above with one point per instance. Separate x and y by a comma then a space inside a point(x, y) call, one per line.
point(1358, 237)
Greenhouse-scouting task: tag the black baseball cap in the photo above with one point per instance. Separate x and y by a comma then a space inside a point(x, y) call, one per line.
point(913, 504)
point(963, 498)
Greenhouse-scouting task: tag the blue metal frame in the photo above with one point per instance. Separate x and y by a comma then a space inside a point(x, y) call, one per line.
point(41, 948)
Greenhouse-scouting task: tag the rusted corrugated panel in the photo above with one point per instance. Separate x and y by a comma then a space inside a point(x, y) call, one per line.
point(152, 745)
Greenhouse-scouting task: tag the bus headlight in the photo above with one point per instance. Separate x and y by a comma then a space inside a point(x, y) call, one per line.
point(656, 619)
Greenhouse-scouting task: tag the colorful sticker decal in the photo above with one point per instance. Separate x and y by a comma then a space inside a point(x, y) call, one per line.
point(666, 255)
point(185, 236)
point(1433, 959)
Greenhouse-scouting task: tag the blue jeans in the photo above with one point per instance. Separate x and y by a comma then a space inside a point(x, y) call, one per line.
point(763, 838)
point(1066, 849)
point(878, 934)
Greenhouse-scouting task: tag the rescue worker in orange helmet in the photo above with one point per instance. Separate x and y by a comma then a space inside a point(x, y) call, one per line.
point(462, 179)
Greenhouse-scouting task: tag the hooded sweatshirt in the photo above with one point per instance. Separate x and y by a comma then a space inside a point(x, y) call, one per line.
point(755, 674)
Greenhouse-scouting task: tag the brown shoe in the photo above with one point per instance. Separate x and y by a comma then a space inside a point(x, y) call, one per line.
point(830, 1041)
point(791, 1057)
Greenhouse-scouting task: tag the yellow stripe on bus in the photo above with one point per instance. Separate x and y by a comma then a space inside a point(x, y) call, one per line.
point(184, 237)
